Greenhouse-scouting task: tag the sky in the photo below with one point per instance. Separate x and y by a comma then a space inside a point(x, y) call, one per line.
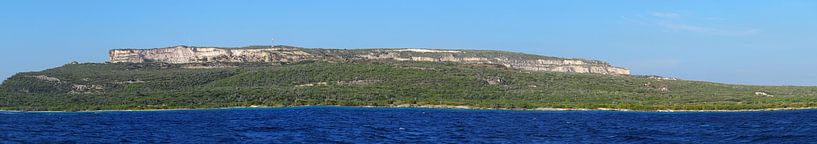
point(754, 42)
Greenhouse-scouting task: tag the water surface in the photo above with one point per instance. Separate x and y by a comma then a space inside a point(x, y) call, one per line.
point(407, 125)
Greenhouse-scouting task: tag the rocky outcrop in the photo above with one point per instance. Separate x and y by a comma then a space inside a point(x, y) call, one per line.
point(186, 55)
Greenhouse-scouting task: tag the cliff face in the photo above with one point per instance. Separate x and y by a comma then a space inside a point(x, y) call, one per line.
point(185, 54)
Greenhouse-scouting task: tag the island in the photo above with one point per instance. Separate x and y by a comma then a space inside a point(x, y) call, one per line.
point(187, 77)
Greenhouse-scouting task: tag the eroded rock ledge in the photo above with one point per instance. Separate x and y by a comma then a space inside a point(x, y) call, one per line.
point(188, 54)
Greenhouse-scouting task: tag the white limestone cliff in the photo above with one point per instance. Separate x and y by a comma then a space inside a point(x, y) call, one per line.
point(185, 54)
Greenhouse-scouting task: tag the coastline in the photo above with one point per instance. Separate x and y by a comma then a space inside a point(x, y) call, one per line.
point(424, 106)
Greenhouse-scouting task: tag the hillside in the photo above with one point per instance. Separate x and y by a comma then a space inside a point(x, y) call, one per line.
point(371, 82)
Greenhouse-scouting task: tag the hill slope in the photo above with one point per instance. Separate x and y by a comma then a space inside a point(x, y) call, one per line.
point(371, 83)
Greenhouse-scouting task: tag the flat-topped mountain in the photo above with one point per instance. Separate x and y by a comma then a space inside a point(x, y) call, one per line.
point(187, 54)
point(199, 77)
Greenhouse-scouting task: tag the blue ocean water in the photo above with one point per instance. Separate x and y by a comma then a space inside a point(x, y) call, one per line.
point(406, 125)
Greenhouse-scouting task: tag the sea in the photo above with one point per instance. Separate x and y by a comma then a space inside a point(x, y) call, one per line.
point(323, 124)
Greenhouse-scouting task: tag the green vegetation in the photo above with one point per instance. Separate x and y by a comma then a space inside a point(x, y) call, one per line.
point(76, 87)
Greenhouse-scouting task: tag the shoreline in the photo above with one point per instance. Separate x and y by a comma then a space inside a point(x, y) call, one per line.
point(426, 106)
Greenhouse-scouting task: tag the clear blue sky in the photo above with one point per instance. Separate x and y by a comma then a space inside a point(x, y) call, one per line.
point(729, 41)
